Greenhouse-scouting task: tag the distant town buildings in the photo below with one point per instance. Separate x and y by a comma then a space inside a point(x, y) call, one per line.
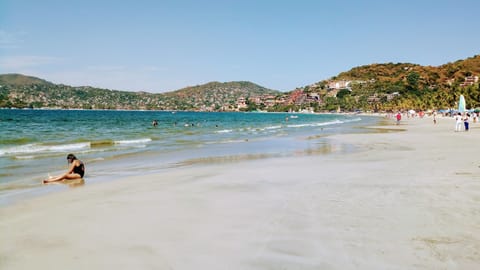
point(301, 96)
point(469, 80)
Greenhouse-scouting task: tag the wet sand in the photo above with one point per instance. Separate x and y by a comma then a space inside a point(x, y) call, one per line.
point(404, 200)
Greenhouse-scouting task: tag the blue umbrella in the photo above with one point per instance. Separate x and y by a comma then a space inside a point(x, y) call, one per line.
point(461, 104)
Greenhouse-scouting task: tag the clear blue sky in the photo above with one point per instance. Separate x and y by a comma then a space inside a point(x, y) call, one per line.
point(165, 45)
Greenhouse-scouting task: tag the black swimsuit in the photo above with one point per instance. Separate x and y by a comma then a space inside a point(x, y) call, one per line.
point(79, 169)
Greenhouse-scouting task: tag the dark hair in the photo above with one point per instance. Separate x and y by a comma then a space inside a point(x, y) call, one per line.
point(71, 157)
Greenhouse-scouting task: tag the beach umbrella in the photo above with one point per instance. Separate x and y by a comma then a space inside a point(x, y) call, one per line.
point(461, 104)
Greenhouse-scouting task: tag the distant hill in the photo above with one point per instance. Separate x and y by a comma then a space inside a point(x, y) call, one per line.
point(429, 75)
point(215, 95)
point(234, 88)
point(376, 87)
point(20, 80)
point(394, 86)
point(22, 91)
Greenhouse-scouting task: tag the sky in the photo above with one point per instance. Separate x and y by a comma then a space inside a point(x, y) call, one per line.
point(166, 45)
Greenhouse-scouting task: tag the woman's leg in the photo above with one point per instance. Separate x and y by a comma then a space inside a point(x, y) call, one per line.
point(62, 177)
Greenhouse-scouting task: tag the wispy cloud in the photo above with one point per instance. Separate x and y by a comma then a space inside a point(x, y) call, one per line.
point(107, 68)
point(10, 40)
point(14, 63)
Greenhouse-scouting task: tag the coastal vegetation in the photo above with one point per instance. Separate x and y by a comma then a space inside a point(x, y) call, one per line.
point(384, 87)
point(375, 87)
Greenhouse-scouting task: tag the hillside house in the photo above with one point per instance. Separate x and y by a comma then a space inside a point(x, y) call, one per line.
point(241, 103)
point(339, 84)
point(469, 80)
point(313, 97)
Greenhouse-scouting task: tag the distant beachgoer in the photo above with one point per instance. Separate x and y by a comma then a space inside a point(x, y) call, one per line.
point(465, 121)
point(399, 117)
point(458, 122)
point(75, 171)
point(155, 123)
point(434, 117)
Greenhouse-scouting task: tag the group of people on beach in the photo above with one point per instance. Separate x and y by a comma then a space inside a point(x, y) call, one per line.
point(462, 121)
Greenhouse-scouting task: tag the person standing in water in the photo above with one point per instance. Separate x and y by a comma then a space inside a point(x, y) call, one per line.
point(76, 170)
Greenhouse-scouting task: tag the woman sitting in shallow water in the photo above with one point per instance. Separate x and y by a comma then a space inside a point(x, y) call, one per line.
point(75, 171)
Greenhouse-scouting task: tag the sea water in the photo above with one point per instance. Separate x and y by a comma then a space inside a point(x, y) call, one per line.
point(34, 143)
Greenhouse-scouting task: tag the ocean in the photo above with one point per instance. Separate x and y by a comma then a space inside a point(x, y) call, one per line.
point(113, 144)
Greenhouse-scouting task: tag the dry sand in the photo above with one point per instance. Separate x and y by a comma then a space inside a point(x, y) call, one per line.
point(405, 200)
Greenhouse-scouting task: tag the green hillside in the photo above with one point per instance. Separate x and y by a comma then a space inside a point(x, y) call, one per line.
point(21, 91)
point(403, 85)
point(375, 87)
point(214, 95)
point(21, 80)
point(428, 75)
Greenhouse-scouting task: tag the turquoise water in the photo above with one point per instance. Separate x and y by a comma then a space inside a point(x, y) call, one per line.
point(34, 143)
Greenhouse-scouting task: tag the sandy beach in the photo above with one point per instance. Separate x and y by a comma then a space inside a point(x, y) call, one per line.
point(405, 199)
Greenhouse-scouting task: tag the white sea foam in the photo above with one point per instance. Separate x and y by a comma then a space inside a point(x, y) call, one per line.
point(353, 120)
point(299, 125)
point(137, 141)
point(28, 151)
point(39, 148)
point(268, 128)
point(272, 127)
point(24, 157)
point(334, 122)
point(224, 131)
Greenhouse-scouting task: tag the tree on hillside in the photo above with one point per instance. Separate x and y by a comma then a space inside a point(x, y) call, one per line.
point(412, 80)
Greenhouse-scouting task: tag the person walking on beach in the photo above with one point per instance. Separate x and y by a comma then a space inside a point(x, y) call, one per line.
point(465, 121)
point(458, 122)
point(76, 170)
point(399, 117)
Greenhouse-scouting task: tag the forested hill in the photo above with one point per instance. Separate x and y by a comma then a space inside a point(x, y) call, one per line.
point(20, 80)
point(376, 87)
point(22, 91)
point(212, 88)
point(390, 72)
point(396, 86)
point(216, 93)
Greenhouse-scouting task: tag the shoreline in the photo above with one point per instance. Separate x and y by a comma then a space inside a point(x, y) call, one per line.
point(155, 159)
point(406, 200)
